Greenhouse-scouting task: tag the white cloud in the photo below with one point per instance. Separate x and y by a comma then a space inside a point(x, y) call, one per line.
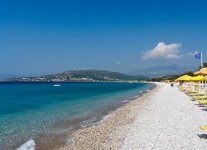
point(163, 50)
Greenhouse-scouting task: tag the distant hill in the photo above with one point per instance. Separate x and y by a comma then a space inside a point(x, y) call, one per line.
point(79, 75)
point(161, 71)
point(6, 76)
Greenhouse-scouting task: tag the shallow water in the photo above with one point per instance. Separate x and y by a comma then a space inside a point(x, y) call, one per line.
point(31, 110)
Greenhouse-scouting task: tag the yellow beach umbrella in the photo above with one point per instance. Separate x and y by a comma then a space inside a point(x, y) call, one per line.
point(198, 78)
point(202, 71)
point(197, 72)
point(184, 78)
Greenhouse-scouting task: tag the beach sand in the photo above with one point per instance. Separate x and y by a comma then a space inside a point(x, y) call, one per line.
point(164, 118)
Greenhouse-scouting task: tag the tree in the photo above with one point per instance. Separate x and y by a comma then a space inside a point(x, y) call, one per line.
point(204, 65)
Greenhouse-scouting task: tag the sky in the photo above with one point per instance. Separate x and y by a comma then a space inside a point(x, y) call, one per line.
point(47, 36)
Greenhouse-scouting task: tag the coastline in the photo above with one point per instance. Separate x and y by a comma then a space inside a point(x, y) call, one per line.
point(48, 125)
point(110, 132)
point(162, 118)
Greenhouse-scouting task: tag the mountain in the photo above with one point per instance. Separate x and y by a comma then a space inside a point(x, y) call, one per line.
point(161, 71)
point(79, 75)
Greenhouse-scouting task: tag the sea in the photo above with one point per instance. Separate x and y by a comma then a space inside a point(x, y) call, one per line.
point(35, 112)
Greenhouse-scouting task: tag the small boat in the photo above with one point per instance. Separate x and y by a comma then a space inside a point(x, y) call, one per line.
point(56, 85)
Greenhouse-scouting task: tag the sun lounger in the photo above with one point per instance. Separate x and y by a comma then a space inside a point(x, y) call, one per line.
point(196, 94)
point(200, 97)
point(204, 127)
point(202, 102)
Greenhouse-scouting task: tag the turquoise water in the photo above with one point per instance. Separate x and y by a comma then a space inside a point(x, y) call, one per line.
point(30, 110)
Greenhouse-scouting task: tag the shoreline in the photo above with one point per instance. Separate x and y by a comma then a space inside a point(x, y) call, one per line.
point(56, 133)
point(163, 118)
point(99, 135)
point(56, 141)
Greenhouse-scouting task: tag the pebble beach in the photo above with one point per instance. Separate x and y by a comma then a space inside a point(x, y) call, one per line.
point(163, 118)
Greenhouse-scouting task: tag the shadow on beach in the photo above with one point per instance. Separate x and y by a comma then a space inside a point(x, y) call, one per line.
point(202, 136)
point(204, 109)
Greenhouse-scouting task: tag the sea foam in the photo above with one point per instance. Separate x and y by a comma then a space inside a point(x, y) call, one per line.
point(29, 145)
point(92, 121)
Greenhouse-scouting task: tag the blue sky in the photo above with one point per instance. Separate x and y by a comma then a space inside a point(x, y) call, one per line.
point(41, 37)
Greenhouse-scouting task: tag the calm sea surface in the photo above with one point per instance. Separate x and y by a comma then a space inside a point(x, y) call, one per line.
point(31, 110)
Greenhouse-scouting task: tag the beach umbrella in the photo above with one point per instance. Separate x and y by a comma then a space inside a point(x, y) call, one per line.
point(184, 78)
point(196, 73)
point(198, 78)
point(202, 71)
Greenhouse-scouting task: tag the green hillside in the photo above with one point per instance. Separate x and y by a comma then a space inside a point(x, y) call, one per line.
point(80, 75)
